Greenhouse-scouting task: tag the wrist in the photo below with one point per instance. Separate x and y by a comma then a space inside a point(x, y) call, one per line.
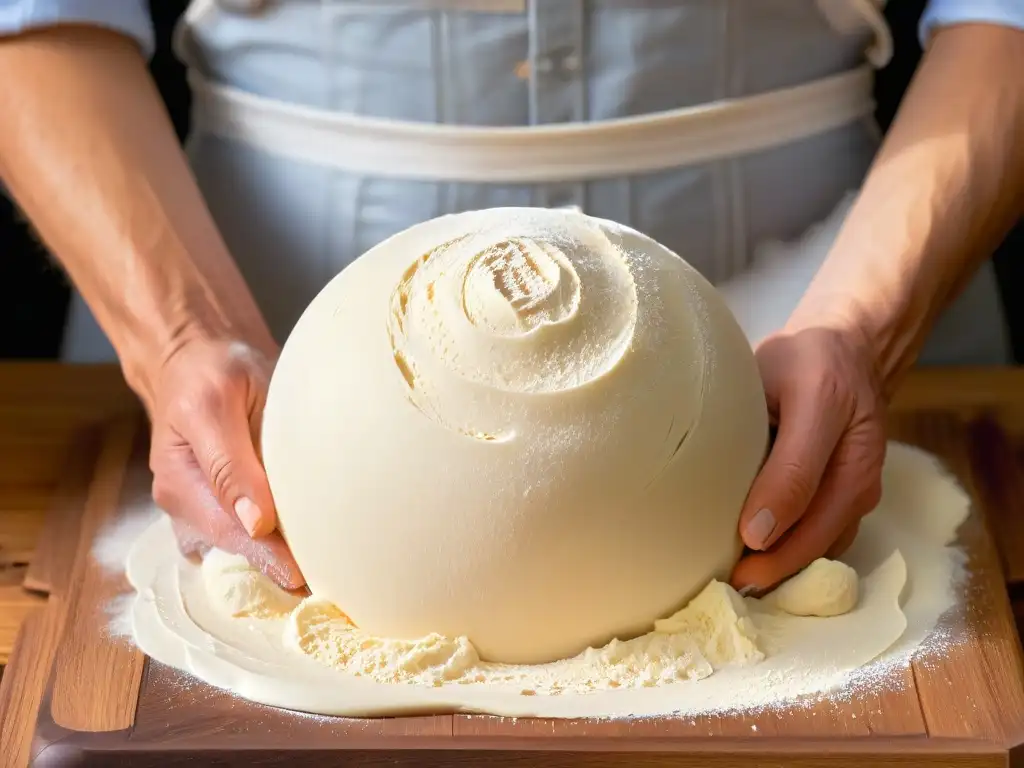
point(943, 190)
point(148, 339)
point(886, 330)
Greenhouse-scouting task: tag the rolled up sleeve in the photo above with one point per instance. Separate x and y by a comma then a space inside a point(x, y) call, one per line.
point(939, 13)
point(129, 17)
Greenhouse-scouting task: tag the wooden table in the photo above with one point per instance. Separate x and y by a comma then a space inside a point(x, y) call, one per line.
point(66, 436)
point(46, 411)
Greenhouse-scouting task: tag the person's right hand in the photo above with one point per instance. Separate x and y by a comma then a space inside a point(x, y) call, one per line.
point(206, 409)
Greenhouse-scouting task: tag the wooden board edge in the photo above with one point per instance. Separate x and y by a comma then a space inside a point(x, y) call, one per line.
point(66, 749)
point(23, 687)
point(991, 671)
point(999, 483)
point(88, 666)
point(30, 668)
point(51, 563)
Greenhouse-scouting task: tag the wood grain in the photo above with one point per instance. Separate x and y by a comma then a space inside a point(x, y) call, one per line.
point(52, 393)
point(999, 481)
point(15, 607)
point(96, 680)
point(43, 407)
point(21, 523)
point(58, 540)
point(22, 686)
point(973, 689)
point(966, 393)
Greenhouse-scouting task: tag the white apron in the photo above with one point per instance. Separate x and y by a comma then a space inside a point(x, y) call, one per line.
point(719, 127)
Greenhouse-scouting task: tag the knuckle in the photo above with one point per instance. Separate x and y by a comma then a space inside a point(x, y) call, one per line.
point(208, 397)
point(829, 387)
point(238, 365)
point(798, 480)
point(213, 396)
point(220, 472)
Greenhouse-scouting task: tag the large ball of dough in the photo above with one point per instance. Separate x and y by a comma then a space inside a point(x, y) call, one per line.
point(530, 427)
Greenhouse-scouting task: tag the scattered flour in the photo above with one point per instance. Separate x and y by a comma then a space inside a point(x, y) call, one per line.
point(115, 539)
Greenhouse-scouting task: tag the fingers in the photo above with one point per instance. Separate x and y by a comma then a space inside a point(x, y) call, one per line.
point(810, 425)
point(273, 558)
point(222, 441)
point(200, 521)
point(849, 491)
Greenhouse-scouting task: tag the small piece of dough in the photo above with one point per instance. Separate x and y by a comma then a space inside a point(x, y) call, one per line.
point(241, 591)
point(824, 588)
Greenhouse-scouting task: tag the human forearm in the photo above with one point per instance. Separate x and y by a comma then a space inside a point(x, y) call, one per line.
point(946, 186)
point(89, 154)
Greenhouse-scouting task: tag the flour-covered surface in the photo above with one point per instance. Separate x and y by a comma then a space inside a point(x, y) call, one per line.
point(909, 577)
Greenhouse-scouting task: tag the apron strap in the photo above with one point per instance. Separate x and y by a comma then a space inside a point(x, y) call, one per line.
point(532, 154)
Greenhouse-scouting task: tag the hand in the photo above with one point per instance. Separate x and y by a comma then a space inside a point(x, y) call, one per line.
point(824, 471)
point(206, 409)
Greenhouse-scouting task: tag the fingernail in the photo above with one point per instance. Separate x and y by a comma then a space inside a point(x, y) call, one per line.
point(760, 528)
point(248, 514)
point(747, 590)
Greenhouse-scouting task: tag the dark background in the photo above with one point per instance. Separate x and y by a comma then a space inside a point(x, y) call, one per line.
point(34, 293)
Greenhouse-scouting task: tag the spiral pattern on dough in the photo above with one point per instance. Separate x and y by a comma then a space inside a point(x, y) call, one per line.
point(520, 308)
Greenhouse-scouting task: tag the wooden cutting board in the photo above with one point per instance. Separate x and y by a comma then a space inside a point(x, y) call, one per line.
point(107, 705)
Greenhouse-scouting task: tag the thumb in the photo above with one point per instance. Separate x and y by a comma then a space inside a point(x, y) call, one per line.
point(809, 429)
point(223, 447)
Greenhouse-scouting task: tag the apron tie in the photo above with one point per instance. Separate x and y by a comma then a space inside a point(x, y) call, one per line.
point(847, 16)
point(880, 53)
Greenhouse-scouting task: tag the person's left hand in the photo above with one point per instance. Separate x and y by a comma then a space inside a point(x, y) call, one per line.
point(824, 471)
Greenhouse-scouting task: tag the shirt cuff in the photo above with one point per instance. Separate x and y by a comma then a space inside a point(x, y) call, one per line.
point(939, 13)
point(129, 17)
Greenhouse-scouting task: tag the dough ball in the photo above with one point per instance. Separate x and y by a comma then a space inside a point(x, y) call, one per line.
point(529, 427)
point(823, 588)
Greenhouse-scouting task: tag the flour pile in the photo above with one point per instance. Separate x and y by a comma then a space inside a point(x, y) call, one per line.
point(711, 632)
